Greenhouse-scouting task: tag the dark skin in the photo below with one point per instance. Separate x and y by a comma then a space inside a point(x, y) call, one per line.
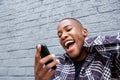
point(69, 31)
point(43, 73)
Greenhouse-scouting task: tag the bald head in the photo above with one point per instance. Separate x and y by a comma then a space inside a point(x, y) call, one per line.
point(71, 31)
point(70, 22)
point(70, 19)
point(73, 20)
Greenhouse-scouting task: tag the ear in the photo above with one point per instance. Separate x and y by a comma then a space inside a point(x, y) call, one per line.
point(85, 32)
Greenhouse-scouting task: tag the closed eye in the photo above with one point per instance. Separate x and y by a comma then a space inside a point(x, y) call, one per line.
point(69, 29)
point(59, 34)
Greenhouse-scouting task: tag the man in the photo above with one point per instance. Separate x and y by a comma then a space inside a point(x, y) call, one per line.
point(96, 58)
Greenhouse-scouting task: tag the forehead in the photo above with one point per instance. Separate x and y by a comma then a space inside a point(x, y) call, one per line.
point(68, 22)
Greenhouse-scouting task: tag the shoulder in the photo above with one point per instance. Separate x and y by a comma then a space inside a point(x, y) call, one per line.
point(62, 58)
point(102, 40)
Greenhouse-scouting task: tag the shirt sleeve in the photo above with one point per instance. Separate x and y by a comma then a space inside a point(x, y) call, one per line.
point(104, 44)
point(110, 44)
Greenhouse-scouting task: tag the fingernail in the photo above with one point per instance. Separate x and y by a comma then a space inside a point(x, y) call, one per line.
point(58, 61)
point(53, 55)
point(37, 46)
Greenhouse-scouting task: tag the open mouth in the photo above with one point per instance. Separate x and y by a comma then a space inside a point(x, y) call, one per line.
point(69, 44)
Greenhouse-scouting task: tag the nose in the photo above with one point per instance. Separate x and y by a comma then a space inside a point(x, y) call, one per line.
point(64, 36)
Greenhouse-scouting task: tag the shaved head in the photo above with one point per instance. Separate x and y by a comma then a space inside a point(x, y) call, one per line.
point(72, 19)
point(71, 35)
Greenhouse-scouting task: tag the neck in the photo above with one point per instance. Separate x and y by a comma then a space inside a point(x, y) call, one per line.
point(81, 56)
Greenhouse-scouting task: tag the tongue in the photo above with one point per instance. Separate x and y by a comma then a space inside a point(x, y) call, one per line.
point(70, 45)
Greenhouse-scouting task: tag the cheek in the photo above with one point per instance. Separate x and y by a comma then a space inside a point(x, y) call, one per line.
point(80, 40)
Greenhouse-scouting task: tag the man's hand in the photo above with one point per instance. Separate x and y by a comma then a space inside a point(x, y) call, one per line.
point(43, 72)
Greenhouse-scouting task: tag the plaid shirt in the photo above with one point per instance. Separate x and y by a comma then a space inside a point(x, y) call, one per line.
point(102, 62)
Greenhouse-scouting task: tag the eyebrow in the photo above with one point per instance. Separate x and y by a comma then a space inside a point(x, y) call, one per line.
point(64, 27)
point(67, 26)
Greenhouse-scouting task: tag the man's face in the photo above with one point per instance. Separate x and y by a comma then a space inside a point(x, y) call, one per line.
point(71, 36)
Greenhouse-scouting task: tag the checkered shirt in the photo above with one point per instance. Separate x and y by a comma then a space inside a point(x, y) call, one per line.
point(102, 62)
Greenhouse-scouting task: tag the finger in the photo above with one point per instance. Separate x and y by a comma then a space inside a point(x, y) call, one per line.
point(40, 66)
point(49, 67)
point(43, 71)
point(41, 62)
point(47, 58)
point(39, 70)
point(49, 74)
point(37, 55)
point(52, 64)
point(36, 77)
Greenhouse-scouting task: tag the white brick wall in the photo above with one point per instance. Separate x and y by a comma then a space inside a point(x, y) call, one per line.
point(25, 23)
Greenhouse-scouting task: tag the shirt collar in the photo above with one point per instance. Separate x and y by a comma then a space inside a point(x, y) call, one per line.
point(67, 58)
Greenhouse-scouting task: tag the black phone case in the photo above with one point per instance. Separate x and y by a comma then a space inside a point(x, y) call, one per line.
point(45, 52)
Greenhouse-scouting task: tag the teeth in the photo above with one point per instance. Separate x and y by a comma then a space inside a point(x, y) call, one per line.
point(66, 43)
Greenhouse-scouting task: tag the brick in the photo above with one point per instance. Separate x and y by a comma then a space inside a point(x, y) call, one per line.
point(17, 62)
point(26, 23)
point(84, 12)
point(16, 78)
point(3, 71)
point(21, 54)
point(57, 50)
point(5, 55)
point(12, 71)
point(109, 7)
point(34, 4)
point(29, 71)
point(47, 2)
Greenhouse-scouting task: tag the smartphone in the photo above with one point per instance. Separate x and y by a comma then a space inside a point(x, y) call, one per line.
point(45, 52)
